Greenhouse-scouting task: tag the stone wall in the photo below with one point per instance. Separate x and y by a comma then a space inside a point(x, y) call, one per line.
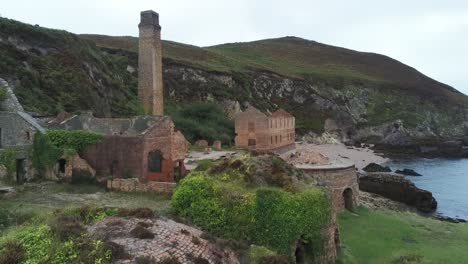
point(339, 181)
point(15, 131)
point(134, 185)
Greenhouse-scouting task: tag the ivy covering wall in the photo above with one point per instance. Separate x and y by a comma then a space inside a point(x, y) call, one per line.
point(272, 217)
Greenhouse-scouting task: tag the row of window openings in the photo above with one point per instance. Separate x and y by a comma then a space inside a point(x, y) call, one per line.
point(282, 123)
point(290, 137)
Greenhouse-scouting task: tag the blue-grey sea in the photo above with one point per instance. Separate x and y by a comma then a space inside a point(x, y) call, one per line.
point(447, 179)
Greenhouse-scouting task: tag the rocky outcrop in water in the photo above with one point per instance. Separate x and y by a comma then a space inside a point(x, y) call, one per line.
point(398, 189)
point(408, 172)
point(374, 167)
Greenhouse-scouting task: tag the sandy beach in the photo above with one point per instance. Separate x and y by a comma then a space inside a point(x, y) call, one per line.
point(336, 153)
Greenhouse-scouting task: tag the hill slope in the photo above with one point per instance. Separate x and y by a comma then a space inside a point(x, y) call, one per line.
point(348, 94)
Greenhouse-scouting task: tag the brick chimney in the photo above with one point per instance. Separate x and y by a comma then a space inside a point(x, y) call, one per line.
point(150, 83)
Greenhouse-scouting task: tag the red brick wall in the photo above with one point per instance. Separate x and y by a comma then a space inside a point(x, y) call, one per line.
point(127, 151)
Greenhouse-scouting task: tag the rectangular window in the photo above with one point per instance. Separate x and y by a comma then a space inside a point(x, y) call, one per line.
point(271, 139)
point(155, 161)
point(28, 135)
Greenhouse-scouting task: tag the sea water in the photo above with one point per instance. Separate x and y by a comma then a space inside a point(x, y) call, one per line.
point(447, 179)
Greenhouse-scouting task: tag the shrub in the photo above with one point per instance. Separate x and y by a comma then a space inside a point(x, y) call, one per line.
point(66, 227)
point(203, 120)
point(76, 140)
point(8, 159)
point(13, 253)
point(256, 253)
point(269, 217)
point(2, 95)
point(203, 165)
point(44, 153)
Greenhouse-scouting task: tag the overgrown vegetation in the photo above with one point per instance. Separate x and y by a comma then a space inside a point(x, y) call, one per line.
point(202, 120)
point(44, 154)
point(76, 140)
point(8, 160)
point(2, 95)
point(223, 204)
point(378, 236)
point(60, 72)
point(62, 239)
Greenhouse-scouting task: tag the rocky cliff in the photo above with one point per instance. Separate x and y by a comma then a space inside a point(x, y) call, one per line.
point(334, 93)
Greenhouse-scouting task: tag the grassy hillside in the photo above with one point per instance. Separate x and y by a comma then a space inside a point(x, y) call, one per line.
point(55, 71)
point(299, 58)
point(375, 236)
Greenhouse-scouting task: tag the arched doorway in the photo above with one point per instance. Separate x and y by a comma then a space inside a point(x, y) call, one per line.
point(300, 252)
point(348, 198)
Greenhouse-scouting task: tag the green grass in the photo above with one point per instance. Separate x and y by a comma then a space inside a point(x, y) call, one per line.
point(378, 236)
point(36, 199)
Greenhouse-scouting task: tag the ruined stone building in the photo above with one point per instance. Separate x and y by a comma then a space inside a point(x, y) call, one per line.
point(17, 129)
point(265, 133)
point(145, 147)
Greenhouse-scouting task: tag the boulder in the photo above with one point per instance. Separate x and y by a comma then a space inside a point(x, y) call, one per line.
point(399, 189)
point(408, 172)
point(374, 167)
point(201, 143)
point(217, 145)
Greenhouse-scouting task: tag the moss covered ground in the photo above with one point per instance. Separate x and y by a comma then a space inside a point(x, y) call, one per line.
point(379, 236)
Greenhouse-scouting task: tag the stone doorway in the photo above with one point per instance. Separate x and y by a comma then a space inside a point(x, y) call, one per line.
point(61, 164)
point(20, 170)
point(301, 251)
point(348, 199)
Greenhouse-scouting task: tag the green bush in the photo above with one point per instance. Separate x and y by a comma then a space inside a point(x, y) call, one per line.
point(203, 165)
point(8, 159)
point(203, 120)
point(44, 153)
point(2, 95)
point(256, 253)
point(76, 140)
point(268, 217)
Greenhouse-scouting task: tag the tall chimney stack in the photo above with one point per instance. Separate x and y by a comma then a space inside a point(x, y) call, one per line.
point(150, 83)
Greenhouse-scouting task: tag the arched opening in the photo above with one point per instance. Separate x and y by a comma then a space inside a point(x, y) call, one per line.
point(348, 199)
point(61, 165)
point(300, 252)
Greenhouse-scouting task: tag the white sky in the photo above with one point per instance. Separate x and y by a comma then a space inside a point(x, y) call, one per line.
point(429, 35)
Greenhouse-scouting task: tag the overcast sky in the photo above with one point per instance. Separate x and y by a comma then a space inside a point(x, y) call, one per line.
point(429, 35)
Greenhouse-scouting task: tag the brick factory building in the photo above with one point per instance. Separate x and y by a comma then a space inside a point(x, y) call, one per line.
point(265, 133)
point(145, 147)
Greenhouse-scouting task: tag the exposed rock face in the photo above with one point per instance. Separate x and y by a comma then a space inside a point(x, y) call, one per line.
point(408, 172)
point(374, 167)
point(399, 189)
